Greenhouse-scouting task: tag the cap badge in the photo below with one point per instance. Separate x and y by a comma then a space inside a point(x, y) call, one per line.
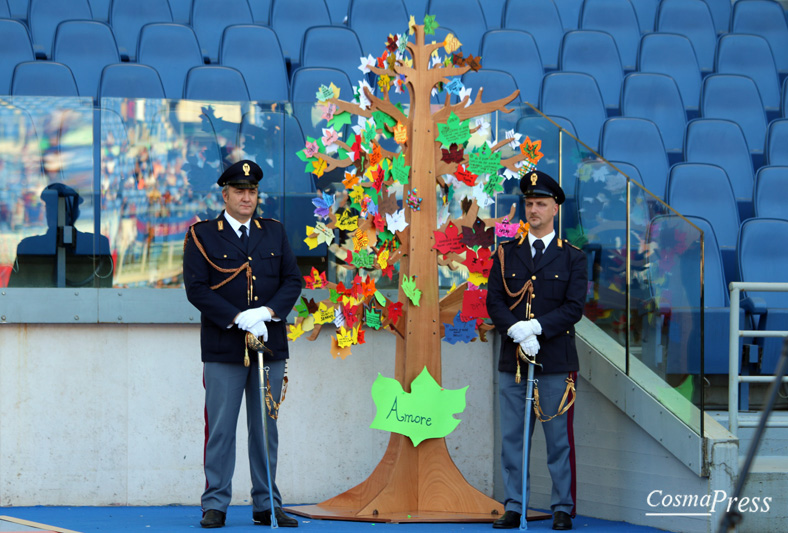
point(246, 168)
point(534, 177)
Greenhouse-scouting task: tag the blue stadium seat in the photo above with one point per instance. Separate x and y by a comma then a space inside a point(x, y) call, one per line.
point(171, 49)
point(418, 8)
point(538, 127)
point(767, 19)
point(215, 82)
point(128, 18)
point(704, 190)
point(304, 86)
point(618, 18)
point(736, 98)
point(5, 10)
point(516, 52)
point(261, 11)
point(674, 278)
point(86, 46)
point(15, 47)
point(777, 143)
point(43, 16)
point(18, 9)
point(646, 10)
point(466, 17)
point(692, 19)
point(100, 9)
point(576, 96)
point(265, 71)
point(750, 55)
point(209, 19)
point(637, 141)
point(291, 18)
point(759, 263)
point(43, 78)
point(496, 84)
point(720, 14)
point(569, 11)
point(595, 53)
point(332, 46)
point(130, 80)
point(372, 29)
point(672, 54)
point(181, 11)
point(770, 195)
point(784, 100)
point(540, 18)
point(656, 97)
point(722, 142)
point(493, 12)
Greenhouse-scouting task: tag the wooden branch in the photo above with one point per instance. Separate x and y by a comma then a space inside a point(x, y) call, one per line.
point(333, 163)
point(510, 161)
point(351, 107)
point(387, 107)
point(476, 108)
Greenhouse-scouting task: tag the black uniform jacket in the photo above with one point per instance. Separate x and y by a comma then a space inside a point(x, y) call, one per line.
point(560, 282)
point(276, 283)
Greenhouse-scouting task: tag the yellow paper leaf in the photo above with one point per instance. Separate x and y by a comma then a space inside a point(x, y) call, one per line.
point(295, 331)
point(347, 222)
point(360, 240)
point(335, 89)
point(344, 338)
point(451, 43)
point(311, 240)
point(383, 259)
point(324, 314)
point(400, 133)
point(320, 167)
point(412, 25)
point(308, 324)
point(477, 278)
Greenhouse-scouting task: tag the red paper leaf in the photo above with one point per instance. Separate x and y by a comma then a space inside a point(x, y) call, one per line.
point(454, 154)
point(450, 241)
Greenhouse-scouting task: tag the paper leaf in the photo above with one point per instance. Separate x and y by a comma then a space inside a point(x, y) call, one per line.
point(301, 308)
point(474, 305)
point(430, 25)
point(504, 229)
point(478, 261)
point(295, 331)
point(324, 314)
point(460, 331)
point(400, 133)
point(450, 241)
point(346, 221)
point(409, 287)
point(424, 413)
point(363, 259)
point(465, 175)
point(451, 43)
point(454, 131)
point(477, 235)
point(399, 170)
point(452, 155)
point(396, 221)
point(316, 280)
point(483, 161)
point(372, 318)
point(494, 184)
point(340, 120)
point(337, 350)
point(380, 298)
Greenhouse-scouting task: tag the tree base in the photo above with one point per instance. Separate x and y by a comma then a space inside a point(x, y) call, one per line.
point(326, 512)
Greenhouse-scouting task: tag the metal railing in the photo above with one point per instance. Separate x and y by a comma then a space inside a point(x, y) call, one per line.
point(734, 379)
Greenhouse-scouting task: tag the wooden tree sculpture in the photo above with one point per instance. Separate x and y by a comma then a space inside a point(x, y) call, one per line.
point(422, 482)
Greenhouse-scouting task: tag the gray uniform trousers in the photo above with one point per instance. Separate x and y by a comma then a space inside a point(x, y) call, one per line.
point(225, 385)
point(557, 437)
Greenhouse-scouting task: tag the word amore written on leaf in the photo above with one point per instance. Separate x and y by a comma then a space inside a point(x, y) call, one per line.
point(424, 413)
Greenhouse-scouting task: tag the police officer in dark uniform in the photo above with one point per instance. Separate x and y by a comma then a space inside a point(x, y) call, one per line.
point(559, 280)
point(240, 273)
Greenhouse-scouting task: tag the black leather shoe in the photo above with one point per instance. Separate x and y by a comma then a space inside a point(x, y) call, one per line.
point(263, 518)
point(212, 518)
point(562, 521)
point(509, 520)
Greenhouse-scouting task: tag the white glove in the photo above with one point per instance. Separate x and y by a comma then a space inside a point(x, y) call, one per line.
point(246, 319)
point(259, 330)
point(530, 346)
point(522, 329)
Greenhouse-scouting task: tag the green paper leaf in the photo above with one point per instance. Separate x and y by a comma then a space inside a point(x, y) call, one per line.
point(409, 286)
point(333, 295)
point(483, 161)
point(430, 25)
point(380, 298)
point(372, 318)
point(494, 184)
point(363, 259)
point(302, 309)
point(454, 132)
point(382, 119)
point(339, 120)
point(424, 413)
point(399, 170)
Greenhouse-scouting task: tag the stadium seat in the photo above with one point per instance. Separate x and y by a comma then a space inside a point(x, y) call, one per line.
point(516, 52)
point(721, 142)
point(759, 263)
point(770, 195)
point(43, 16)
point(181, 11)
point(291, 18)
point(5, 10)
point(767, 19)
point(538, 127)
point(86, 46)
point(673, 54)
point(646, 11)
point(265, 72)
point(656, 97)
point(750, 55)
point(372, 30)
point(128, 18)
point(466, 17)
point(43, 78)
point(100, 9)
point(569, 11)
point(493, 12)
point(576, 96)
point(704, 190)
point(692, 19)
point(172, 50)
point(304, 86)
point(497, 84)
point(674, 279)
point(777, 143)
point(637, 141)
point(215, 82)
point(332, 46)
point(784, 101)
point(734, 97)
point(539, 18)
point(209, 19)
point(720, 14)
point(595, 53)
point(618, 18)
point(261, 11)
point(15, 47)
point(130, 80)
point(18, 9)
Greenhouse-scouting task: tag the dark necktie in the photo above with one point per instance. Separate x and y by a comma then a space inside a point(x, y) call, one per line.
point(538, 246)
point(244, 239)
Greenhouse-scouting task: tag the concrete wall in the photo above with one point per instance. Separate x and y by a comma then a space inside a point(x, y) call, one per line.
point(113, 415)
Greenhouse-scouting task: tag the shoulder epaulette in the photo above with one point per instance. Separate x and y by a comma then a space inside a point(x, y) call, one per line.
point(572, 245)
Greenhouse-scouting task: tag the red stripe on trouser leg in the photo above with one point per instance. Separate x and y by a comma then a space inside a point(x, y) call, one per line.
point(570, 433)
point(205, 444)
